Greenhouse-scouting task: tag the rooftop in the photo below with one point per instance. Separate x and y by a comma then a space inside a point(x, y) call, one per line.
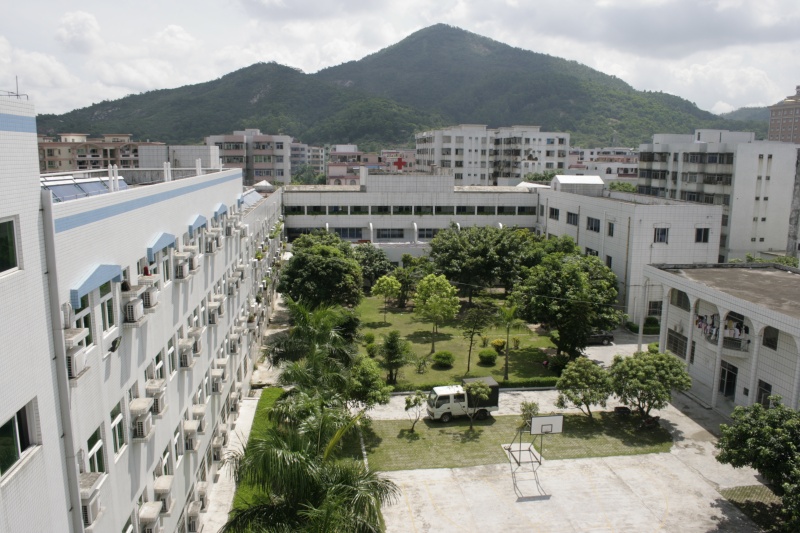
point(771, 286)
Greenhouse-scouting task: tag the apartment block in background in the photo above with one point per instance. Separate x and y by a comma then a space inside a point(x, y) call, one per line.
point(259, 156)
point(784, 119)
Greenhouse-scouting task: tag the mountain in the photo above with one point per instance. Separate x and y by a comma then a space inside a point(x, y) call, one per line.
point(271, 97)
point(435, 77)
point(472, 79)
point(748, 113)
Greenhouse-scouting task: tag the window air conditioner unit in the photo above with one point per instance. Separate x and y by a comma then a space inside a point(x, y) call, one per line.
point(194, 263)
point(181, 271)
point(150, 298)
point(150, 517)
point(76, 363)
point(211, 246)
point(216, 386)
point(159, 402)
point(90, 509)
point(191, 444)
point(186, 361)
point(229, 230)
point(234, 345)
point(134, 310)
point(143, 426)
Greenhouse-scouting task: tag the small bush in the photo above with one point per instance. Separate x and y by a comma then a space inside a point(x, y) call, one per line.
point(372, 350)
point(652, 347)
point(487, 357)
point(545, 382)
point(648, 330)
point(498, 345)
point(369, 338)
point(444, 359)
point(651, 321)
point(484, 341)
point(515, 342)
point(421, 363)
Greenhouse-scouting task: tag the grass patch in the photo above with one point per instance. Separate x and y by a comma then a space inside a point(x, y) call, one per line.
point(247, 493)
point(391, 446)
point(524, 366)
point(759, 503)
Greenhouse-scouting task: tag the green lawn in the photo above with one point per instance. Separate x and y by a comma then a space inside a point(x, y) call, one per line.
point(525, 364)
point(390, 445)
point(246, 493)
point(759, 503)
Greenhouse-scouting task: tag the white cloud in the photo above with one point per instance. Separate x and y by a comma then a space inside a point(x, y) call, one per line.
point(79, 32)
point(173, 41)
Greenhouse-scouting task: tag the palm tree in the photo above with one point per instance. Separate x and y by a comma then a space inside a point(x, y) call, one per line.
point(507, 319)
point(303, 485)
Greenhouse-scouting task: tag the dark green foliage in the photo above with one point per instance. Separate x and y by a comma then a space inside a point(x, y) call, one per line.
point(368, 338)
point(651, 321)
point(622, 186)
point(652, 347)
point(372, 349)
point(373, 261)
point(444, 359)
point(395, 353)
point(648, 330)
point(320, 236)
point(366, 383)
point(322, 275)
point(583, 384)
point(645, 381)
point(756, 114)
point(487, 357)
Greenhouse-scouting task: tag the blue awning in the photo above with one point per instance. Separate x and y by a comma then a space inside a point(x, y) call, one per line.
point(221, 210)
point(163, 240)
point(199, 222)
point(102, 274)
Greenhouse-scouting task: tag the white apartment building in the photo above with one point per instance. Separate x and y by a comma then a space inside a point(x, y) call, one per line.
point(612, 164)
point(736, 326)
point(34, 480)
point(752, 180)
point(179, 156)
point(402, 213)
point(479, 156)
point(260, 156)
point(138, 325)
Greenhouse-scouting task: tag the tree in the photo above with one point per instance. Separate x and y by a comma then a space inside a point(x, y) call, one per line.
point(622, 186)
point(765, 438)
point(373, 261)
point(571, 293)
point(475, 322)
point(546, 176)
point(388, 287)
point(583, 384)
point(477, 392)
point(395, 353)
point(322, 275)
point(320, 236)
point(415, 403)
point(507, 319)
point(366, 383)
point(466, 256)
point(645, 381)
point(306, 175)
point(436, 301)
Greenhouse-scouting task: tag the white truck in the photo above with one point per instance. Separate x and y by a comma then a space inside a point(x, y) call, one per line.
point(448, 401)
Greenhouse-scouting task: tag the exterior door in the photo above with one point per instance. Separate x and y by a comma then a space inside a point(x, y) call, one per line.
point(727, 379)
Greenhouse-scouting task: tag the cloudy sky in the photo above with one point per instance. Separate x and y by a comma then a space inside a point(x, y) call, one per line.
point(720, 54)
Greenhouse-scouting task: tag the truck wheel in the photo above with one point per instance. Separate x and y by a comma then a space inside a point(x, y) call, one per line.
point(482, 414)
point(606, 342)
point(445, 418)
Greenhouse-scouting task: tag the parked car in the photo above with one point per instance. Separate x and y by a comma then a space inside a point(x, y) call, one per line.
point(601, 337)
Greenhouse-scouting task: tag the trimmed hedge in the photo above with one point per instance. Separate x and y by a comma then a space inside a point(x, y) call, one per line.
point(444, 359)
point(487, 357)
point(648, 330)
point(369, 338)
point(541, 382)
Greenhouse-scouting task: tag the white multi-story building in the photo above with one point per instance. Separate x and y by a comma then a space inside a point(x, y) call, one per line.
point(737, 327)
point(34, 481)
point(260, 156)
point(137, 329)
point(186, 156)
point(402, 213)
point(752, 180)
point(476, 155)
point(612, 164)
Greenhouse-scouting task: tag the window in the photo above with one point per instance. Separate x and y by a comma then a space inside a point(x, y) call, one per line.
point(401, 210)
point(158, 366)
point(679, 299)
point(661, 235)
point(107, 306)
point(445, 210)
point(427, 233)
point(165, 469)
point(171, 356)
point(359, 210)
point(486, 210)
point(15, 438)
point(380, 210)
point(348, 233)
point(609, 261)
point(610, 229)
point(8, 246)
point(117, 428)
point(295, 210)
point(83, 319)
point(166, 271)
point(177, 444)
point(465, 210)
point(572, 218)
point(96, 461)
point(423, 210)
point(701, 234)
point(593, 224)
point(654, 307)
point(386, 233)
point(770, 338)
point(676, 343)
point(554, 213)
point(506, 210)
point(764, 392)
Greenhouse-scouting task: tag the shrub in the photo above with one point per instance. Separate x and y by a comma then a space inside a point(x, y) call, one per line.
point(515, 342)
point(444, 359)
point(652, 347)
point(648, 330)
point(372, 350)
point(421, 363)
point(369, 338)
point(484, 341)
point(651, 321)
point(498, 345)
point(487, 357)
